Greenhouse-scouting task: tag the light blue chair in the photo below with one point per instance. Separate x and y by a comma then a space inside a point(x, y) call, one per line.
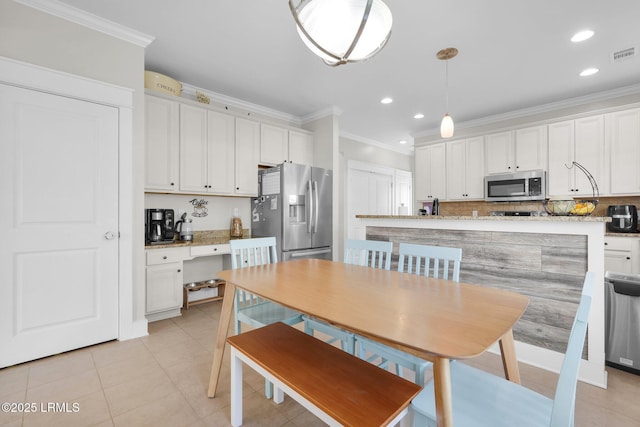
point(435, 261)
point(438, 261)
point(249, 308)
point(372, 253)
point(367, 253)
point(482, 399)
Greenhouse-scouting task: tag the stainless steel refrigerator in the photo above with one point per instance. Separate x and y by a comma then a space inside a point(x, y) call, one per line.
point(294, 204)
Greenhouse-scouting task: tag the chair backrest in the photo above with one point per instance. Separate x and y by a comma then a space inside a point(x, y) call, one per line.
point(565, 398)
point(250, 252)
point(370, 253)
point(435, 261)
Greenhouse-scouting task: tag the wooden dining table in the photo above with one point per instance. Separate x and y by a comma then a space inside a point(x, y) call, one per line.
point(435, 319)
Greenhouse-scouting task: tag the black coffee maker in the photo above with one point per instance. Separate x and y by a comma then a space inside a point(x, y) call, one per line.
point(159, 225)
point(624, 218)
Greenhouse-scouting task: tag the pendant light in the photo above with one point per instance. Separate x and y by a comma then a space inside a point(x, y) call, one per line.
point(341, 31)
point(446, 127)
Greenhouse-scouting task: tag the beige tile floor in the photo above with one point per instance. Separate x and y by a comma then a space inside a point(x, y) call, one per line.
point(162, 379)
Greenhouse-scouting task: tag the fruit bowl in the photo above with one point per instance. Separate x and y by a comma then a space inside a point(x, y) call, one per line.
point(560, 205)
point(584, 207)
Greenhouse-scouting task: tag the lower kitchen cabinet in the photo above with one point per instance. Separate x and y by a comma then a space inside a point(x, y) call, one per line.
point(164, 280)
point(622, 254)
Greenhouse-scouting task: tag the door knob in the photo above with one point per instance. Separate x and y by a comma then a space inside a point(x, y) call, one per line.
point(109, 235)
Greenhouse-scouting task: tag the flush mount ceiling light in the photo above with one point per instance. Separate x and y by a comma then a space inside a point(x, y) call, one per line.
point(589, 72)
point(582, 36)
point(341, 31)
point(386, 100)
point(446, 127)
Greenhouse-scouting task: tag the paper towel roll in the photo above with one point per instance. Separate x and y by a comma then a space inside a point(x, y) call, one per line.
point(403, 210)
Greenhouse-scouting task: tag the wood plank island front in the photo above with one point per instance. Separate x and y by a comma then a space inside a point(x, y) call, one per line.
point(543, 257)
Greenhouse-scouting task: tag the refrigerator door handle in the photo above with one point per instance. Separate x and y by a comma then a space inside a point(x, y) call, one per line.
point(303, 254)
point(317, 205)
point(310, 203)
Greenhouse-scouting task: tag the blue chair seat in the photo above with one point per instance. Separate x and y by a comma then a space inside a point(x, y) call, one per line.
point(483, 399)
point(476, 395)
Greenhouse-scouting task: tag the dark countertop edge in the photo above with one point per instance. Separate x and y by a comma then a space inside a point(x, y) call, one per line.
point(548, 218)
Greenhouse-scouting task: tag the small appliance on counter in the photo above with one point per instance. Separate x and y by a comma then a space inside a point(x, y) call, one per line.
point(184, 228)
point(624, 219)
point(158, 226)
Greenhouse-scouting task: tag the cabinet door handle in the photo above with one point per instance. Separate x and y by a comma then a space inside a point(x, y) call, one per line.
point(628, 257)
point(164, 257)
point(179, 270)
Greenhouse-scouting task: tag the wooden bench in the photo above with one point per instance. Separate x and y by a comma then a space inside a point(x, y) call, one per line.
point(337, 387)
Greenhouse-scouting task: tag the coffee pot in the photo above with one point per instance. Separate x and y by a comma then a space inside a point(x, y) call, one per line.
point(185, 228)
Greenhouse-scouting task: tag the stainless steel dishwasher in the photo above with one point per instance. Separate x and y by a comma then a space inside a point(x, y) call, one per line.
point(623, 321)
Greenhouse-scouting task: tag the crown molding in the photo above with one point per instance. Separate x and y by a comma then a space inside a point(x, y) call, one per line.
point(86, 19)
point(541, 109)
point(241, 105)
point(329, 111)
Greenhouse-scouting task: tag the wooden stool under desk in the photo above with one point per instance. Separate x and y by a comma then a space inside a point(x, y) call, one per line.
point(339, 388)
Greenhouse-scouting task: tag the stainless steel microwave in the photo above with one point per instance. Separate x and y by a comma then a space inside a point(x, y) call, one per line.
point(516, 187)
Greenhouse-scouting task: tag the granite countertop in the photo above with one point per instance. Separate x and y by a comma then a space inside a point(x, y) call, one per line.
point(493, 218)
point(201, 238)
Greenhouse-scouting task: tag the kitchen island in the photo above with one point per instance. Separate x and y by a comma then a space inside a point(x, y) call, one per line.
point(543, 257)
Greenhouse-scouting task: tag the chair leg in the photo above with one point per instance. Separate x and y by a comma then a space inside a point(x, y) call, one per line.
point(268, 389)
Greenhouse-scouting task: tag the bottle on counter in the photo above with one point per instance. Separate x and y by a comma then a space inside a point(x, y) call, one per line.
point(236, 224)
point(436, 207)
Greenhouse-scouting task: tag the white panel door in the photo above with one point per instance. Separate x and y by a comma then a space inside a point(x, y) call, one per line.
point(59, 224)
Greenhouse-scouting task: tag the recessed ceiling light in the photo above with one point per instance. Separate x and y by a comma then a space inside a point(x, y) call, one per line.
point(582, 36)
point(419, 116)
point(386, 100)
point(403, 142)
point(589, 72)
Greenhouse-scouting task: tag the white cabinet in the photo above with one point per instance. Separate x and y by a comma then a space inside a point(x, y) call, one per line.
point(622, 254)
point(218, 153)
point(164, 282)
point(465, 169)
point(221, 137)
point(624, 136)
point(301, 147)
point(430, 172)
point(278, 145)
point(274, 144)
point(246, 150)
point(521, 150)
point(161, 144)
point(582, 141)
point(194, 149)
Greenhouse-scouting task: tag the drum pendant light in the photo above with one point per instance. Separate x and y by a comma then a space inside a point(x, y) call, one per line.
point(446, 127)
point(342, 31)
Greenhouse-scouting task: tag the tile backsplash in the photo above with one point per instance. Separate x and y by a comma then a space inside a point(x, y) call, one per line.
point(484, 208)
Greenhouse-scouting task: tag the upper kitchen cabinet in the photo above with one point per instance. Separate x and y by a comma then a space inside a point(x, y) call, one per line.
point(522, 150)
point(301, 147)
point(274, 145)
point(207, 142)
point(465, 169)
point(161, 144)
point(624, 148)
point(582, 141)
point(278, 145)
point(430, 172)
point(246, 151)
point(194, 150)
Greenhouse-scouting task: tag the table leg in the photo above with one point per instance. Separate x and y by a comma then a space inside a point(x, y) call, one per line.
point(236, 389)
point(442, 391)
point(509, 359)
point(221, 337)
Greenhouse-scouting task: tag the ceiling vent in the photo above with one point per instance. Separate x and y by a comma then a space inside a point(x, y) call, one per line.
point(624, 54)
